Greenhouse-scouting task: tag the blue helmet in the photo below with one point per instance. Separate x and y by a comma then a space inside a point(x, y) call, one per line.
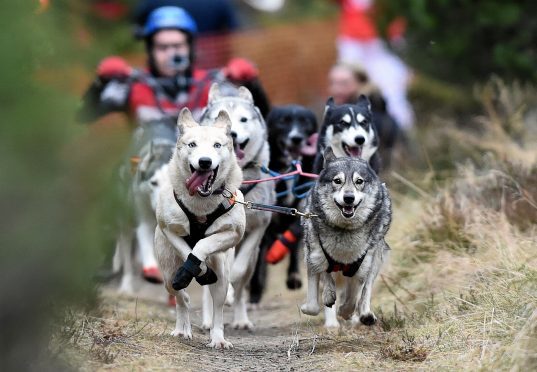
point(169, 17)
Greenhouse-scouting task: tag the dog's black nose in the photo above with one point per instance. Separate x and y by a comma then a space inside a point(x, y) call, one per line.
point(359, 140)
point(296, 140)
point(234, 135)
point(348, 198)
point(205, 163)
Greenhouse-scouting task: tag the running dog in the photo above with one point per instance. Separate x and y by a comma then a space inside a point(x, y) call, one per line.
point(151, 149)
point(353, 215)
point(249, 134)
point(349, 130)
point(292, 133)
point(199, 221)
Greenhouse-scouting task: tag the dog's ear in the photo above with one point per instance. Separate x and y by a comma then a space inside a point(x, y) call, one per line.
point(214, 92)
point(223, 121)
point(329, 105)
point(185, 120)
point(328, 156)
point(364, 100)
point(244, 93)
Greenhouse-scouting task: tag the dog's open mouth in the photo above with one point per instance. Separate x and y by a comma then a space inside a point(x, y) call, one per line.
point(352, 151)
point(347, 211)
point(239, 148)
point(201, 181)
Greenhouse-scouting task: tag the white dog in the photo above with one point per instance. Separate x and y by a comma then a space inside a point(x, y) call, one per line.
point(249, 134)
point(196, 223)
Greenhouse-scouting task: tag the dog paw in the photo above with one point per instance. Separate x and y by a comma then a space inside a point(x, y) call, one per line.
point(368, 319)
point(345, 310)
point(331, 323)
point(220, 343)
point(293, 281)
point(310, 309)
point(206, 325)
point(329, 297)
point(185, 332)
point(243, 324)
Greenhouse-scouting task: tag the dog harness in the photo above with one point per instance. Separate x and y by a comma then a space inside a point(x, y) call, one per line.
point(346, 269)
point(200, 224)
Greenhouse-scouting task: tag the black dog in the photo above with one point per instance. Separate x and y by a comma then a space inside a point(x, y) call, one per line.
point(290, 129)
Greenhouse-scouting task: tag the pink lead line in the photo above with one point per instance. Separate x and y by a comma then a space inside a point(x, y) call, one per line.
point(297, 171)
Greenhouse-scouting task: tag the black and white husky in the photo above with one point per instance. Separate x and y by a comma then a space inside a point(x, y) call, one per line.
point(349, 130)
point(249, 134)
point(197, 225)
point(353, 211)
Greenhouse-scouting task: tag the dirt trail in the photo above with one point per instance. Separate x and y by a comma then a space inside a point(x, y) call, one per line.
point(133, 334)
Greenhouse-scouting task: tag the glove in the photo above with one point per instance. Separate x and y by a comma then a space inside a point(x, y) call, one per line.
point(240, 69)
point(114, 67)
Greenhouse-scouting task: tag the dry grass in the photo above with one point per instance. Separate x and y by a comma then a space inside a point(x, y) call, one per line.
point(459, 293)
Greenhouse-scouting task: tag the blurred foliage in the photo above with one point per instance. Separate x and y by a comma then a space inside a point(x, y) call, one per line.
point(466, 40)
point(53, 223)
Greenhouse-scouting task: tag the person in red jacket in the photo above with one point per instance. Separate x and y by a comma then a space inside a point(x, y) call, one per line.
point(359, 42)
point(170, 81)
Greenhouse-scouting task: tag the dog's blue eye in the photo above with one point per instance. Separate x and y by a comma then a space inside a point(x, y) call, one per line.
point(244, 120)
point(192, 144)
point(359, 181)
point(154, 183)
point(217, 145)
point(337, 181)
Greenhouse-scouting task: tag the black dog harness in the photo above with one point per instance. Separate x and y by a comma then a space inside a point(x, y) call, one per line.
point(197, 227)
point(346, 269)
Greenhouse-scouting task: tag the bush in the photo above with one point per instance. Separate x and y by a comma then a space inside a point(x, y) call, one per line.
point(463, 40)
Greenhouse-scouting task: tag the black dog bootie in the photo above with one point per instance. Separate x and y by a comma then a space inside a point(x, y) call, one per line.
point(189, 270)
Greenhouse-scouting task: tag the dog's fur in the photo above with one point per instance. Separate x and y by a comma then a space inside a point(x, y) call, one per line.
point(153, 146)
point(353, 211)
point(348, 129)
point(195, 145)
point(290, 127)
point(249, 134)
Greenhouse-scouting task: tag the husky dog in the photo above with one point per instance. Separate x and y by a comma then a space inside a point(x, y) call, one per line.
point(349, 130)
point(249, 134)
point(151, 150)
point(198, 219)
point(353, 211)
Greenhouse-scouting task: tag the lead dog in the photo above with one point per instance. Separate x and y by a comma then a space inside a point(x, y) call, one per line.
point(197, 225)
point(249, 134)
point(353, 211)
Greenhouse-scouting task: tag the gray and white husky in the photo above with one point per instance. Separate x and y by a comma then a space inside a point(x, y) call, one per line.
point(353, 211)
point(151, 149)
point(249, 134)
point(197, 224)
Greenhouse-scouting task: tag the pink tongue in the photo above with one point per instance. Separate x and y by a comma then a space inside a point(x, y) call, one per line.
point(355, 151)
point(238, 152)
point(310, 148)
point(197, 179)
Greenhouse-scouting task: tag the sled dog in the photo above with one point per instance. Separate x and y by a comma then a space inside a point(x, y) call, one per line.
point(251, 147)
point(198, 219)
point(353, 211)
